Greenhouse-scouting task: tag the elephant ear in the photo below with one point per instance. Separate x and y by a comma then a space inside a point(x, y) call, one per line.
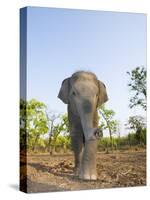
point(102, 98)
point(64, 90)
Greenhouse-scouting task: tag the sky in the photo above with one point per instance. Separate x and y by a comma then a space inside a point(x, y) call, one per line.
point(62, 41)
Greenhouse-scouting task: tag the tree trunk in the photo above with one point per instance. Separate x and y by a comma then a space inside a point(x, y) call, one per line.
point(111, 139)
point(110, 133)
point(35, 142)
point(50, 140)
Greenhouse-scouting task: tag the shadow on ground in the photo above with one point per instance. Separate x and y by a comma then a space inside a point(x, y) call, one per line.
point(68, 174)
point(34, 187)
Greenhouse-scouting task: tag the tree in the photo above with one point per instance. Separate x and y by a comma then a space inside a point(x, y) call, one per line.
point(56, 128)
point(118, 131)
point(65, 123)
point(137, 86)
point(36, 122)
point(51, 118)
point(23, 105)
point(107, 121)
point(138, 125)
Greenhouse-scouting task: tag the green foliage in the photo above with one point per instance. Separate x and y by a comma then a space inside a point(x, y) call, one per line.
point(119, 143)
point(137, 86)
point(63, 126)
point(143, 136)
point(58, 124)
point(41, 131)
point(33, 122)
point(22, 124)
point(136, 122)
point(63, 141)
point(106, 142)
point(138, 125)
point(65, 123)
point(107, 120)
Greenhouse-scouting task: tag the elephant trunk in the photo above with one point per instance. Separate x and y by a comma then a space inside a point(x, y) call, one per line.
point(86, 113)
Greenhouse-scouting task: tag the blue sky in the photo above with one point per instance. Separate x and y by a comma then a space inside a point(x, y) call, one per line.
point(62, 41)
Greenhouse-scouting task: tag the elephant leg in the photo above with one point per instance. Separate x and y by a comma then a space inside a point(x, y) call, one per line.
point(88, 163)
point(77, 145)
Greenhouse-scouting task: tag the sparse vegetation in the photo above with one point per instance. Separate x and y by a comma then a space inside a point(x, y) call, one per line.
point(43, 132)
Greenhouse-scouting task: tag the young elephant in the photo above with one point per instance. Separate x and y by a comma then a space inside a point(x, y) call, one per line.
point(83, 93)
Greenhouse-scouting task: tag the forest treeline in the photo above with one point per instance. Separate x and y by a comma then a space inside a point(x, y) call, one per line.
point(42, 130)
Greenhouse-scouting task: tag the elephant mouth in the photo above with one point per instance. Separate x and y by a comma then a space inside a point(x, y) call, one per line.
point(98, 133)
point(94, 134)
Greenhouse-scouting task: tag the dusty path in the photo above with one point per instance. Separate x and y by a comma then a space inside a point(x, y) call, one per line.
point(55, 173)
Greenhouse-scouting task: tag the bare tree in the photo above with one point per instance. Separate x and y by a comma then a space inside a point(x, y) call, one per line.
point(51, 118)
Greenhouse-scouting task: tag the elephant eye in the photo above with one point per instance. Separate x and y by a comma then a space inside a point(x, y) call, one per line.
point(73, 93)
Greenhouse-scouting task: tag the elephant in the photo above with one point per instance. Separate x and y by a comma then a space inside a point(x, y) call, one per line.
point(83, 93)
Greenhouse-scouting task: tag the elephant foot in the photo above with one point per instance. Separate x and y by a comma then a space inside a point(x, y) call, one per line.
point(88, 177)
point(76, 171)
point(88, 172)
point(85, 174)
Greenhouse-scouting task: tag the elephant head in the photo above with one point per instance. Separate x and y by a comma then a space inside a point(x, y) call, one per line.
point(84, 93)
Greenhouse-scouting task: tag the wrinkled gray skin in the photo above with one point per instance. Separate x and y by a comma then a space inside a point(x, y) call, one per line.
point(83, 93)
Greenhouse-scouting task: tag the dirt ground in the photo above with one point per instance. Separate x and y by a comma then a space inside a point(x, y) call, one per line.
point(47, 173)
